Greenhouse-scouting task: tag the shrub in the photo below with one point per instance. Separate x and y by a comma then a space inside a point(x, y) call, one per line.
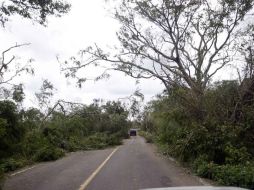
point(114, 139)
point(32, 142)
point(236, 155)
point(12, 164)
point(53, 135)
point(33, 137)
point(72, 144)
point(96, 141)
point(148, 136)
point(48, 153)
point(202, 167)
point(101, 140)
point(11, 131)
point(235, 175)
point(229, 175)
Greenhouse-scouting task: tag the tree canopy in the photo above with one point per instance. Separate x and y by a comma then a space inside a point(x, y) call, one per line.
point(36, 10)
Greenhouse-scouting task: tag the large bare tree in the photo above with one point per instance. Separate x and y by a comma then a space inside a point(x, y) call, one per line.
point(180, 42)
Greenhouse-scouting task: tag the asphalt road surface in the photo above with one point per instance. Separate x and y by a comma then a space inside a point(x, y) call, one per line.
point(134, 165)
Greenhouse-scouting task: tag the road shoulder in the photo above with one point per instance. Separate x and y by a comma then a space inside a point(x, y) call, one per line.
point(178, 167)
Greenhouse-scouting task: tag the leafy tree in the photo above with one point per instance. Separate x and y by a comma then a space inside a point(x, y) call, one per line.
point(36, 10)
point(114, 108)
point(31, 118)
point(45, 94)
point(18, 94)
point(11, 131)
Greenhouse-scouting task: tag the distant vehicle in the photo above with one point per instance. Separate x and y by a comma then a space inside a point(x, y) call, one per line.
point(197, 188)
point(133, 132)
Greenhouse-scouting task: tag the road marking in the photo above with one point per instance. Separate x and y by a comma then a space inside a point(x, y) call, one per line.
point(22, 171)
point(92, 176)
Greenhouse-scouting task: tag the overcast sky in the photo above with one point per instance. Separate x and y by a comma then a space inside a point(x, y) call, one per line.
point(87, 23)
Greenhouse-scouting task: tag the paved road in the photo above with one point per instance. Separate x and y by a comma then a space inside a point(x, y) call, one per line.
point(132, 166)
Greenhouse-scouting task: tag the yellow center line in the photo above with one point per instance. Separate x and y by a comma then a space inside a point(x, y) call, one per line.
point(92, 176)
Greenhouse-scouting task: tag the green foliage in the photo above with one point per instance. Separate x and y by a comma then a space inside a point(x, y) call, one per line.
point(96, 141)
point(237, 155)
point(25, 138)
point(35, 10)
point(12, 164)
point(3, 125)
point(10, 131)
point(101, 140)
point(48, 153)
point(218, 145)
point(45, 93)
point(18, 94)
point(148, 136)
point(115, 139)
point(235, 175)
point(232, 175)
point(32, 142)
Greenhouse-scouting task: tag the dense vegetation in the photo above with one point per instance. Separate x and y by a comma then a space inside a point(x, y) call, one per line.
point(219, 146)
point(182, 43)
point(27, 137)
